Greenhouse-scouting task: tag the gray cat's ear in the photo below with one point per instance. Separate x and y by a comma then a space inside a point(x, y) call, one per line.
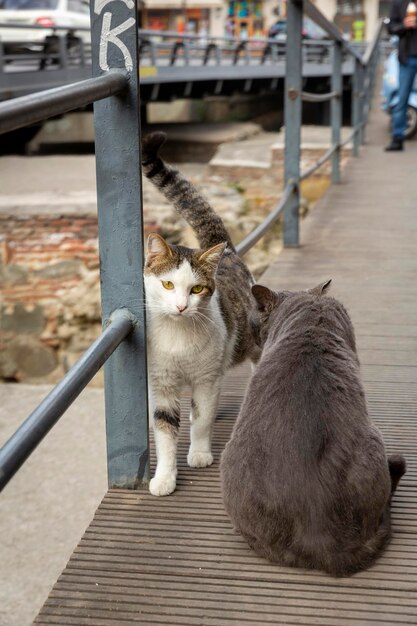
point(264, 297)
point(213, 255)
point(321, 289)
point(157, 246)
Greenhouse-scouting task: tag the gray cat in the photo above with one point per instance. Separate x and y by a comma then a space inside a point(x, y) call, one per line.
point(198, 303)
point(305, 476)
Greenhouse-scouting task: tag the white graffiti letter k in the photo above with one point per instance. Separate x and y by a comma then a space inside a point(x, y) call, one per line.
point(111, 35)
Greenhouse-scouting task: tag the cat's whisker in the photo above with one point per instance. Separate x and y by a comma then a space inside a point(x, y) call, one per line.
point(206, 318)
point(201, 321)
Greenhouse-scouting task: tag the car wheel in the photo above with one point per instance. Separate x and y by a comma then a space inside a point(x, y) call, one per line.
point(411, 128)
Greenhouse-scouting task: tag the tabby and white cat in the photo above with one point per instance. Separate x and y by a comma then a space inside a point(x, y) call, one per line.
point(198, 303)
point(305, 476)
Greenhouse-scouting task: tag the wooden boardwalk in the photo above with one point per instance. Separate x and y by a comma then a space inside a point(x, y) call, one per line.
point(176, 560)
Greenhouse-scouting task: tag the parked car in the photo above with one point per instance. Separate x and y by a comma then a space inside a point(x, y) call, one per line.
point(49, 13)
point(389, 93)
point(310, 30)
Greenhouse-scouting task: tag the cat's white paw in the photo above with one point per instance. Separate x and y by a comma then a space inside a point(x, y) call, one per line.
point(162, 485)
point(199, 459)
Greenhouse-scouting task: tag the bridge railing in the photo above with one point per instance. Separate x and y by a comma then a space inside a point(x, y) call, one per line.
point(66, 46)
point(122, 346)
point(363, 86)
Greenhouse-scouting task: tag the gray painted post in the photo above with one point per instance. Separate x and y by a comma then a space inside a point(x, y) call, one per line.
point(63, 51)
point(119, 196)
point(292, 118)
point(362, 102)
point(356, 106)
point(336, 108)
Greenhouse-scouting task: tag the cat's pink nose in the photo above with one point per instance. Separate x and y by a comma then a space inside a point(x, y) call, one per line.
point(181, 307)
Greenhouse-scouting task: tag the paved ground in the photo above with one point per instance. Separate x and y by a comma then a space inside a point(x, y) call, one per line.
point(46, 507)
point(48, 183)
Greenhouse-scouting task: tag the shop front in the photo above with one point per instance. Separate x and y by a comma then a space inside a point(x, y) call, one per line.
point(245, 19)
point(350, 19)
point(182, 16)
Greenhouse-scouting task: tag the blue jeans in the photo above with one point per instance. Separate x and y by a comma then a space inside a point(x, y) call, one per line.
point(399, 112)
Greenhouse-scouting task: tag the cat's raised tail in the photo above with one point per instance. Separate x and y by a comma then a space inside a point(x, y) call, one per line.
point(187, 200)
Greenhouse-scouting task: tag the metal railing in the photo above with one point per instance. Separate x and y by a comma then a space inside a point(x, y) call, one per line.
point(171, 64)
point(122, 345)
point(64, 46)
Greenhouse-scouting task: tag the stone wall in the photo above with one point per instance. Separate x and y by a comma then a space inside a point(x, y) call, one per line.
point(50, 288)
point(50, 305)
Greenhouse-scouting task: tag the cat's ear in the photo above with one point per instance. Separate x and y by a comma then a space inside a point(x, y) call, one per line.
point(321, 289)
point(157, 246)
point(213, 255)
point(264, 297)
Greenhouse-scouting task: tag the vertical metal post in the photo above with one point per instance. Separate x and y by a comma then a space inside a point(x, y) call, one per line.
point(1, 56)
point(336, 108)
point(81, 53)
point(63, 51)
point(362, 75)
point(356, 97)
point(292, 117)
point(119, 196)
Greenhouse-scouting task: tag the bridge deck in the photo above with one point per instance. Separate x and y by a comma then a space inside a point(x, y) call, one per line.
point(177, 560)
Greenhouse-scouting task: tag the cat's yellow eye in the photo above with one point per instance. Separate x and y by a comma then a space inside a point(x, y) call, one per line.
point(168, 284)
point(197, 289)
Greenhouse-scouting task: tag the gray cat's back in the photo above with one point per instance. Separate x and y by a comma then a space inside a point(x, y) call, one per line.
point(305, 476)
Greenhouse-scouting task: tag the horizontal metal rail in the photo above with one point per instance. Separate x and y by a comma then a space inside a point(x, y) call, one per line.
point(325, 157)
point(319, 97)
point(372, 47)
point(166, 49)
point(248, 242)
point(36, 107)
point(53, 27)
point(354, 132)
point(24, 441)
point(313, 12)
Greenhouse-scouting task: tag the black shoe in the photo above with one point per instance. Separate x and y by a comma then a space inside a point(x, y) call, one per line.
point(395, 146)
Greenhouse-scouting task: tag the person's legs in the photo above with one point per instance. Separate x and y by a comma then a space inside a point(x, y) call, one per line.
point(399, 113)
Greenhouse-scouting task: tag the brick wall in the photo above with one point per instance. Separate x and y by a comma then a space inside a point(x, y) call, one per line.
point(50, 295)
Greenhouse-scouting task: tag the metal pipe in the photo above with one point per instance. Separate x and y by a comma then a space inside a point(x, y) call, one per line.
point(31, 109)
point(35, 27)
point(336, 110)
point(27, 437)
point(306, 96)
point(356, 108)
point(317, 16)
point(326, 156)
point(292, 116)
point(349, 138)
point(249, 241)
point(372, 47)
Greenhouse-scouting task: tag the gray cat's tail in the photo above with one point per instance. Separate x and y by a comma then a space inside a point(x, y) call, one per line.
point(397, 468)
point(187, 200)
